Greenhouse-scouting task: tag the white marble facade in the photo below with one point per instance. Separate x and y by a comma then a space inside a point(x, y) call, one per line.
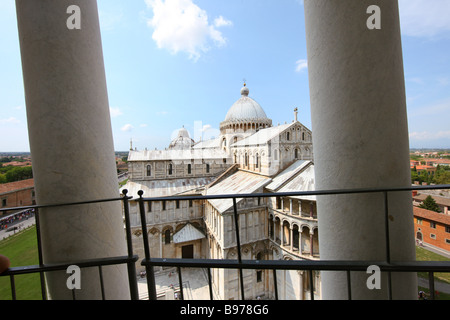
point(249, 156)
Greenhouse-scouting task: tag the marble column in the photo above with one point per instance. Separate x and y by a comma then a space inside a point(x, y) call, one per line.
point(71, 143)
point(360, 139)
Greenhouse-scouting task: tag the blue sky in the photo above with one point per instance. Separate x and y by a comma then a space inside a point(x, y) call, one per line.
point(174, 63)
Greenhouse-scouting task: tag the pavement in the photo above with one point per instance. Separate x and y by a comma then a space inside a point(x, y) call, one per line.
point(195, 284)
point(195, 281)
point(20, 224)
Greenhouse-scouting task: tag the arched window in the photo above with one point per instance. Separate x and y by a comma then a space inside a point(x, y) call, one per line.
point(296, 153)
point(246, 160)
point(149, 170)
point(167, 236)
point(288, 136)
point(189, 168)
point(207, 168)
point(170, 169)
point(257, 161)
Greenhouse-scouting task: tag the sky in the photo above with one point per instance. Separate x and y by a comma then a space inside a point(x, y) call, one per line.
point(181, 63)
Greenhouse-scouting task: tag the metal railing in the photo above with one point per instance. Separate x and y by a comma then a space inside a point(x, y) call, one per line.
point(306, 265)
point(42, 267)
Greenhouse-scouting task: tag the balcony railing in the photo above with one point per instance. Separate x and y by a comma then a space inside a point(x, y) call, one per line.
point(150, 262)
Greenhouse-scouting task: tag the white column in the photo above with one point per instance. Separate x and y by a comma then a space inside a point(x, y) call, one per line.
point(71, 143)
point(360, 138)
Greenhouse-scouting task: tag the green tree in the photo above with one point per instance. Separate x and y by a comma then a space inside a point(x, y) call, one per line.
point(19, 173)
point(430, 204)
point(443, 177)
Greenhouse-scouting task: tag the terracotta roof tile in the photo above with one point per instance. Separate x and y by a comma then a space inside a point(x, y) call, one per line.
point(17, 185)
point(431, 215)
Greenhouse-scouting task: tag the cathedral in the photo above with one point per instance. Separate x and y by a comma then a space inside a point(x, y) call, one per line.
point(250, 155)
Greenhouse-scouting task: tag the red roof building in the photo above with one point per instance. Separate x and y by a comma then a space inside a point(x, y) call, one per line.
point(17, 194)
point(432, 228)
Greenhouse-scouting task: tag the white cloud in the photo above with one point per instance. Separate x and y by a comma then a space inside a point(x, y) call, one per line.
point(180, 25)
point(301, 65)
point(427, 135)
point(10, 120)
point(126, 128)
point(440, 109)
point(424, 18)
point(206, 127)
point(222, 22)
point(115, 112)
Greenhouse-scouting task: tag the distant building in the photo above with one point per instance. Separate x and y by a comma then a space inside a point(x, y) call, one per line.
point(432, 228)
point(249, 156)
point(17, 194)
point(442, 202)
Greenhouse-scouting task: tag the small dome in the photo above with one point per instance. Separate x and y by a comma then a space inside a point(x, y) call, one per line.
point(246, 108)
point(182, 141)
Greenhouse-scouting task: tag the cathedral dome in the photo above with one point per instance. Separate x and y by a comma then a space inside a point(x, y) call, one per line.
point(245, 116)
point(182, 141)
point(245, 109)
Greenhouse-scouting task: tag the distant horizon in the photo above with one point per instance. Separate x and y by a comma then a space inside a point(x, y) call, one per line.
point(125, 151)
point(159, 81)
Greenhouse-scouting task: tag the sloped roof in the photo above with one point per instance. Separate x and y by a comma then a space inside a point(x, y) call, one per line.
point(17, 185)
point(303, 181)
point(431, 215)
point(262, 136)
point(188, 233)
point(444, 201)
point(287, 174)
point(297, 177)
point(165, 188)
point(208, 144)
point(238, 183)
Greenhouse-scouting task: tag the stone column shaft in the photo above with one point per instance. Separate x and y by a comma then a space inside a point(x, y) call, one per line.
point(71, 143)
point(360, 138)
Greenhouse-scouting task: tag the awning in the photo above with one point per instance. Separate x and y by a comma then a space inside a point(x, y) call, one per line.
point(188, 233)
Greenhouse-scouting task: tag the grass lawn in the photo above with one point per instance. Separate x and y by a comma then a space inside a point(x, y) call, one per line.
point(425, 255)
point(21, 249)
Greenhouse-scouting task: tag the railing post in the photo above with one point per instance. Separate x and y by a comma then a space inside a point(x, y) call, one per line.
point(180, 281)
point(150, 274)
point(236, 224)
point(431, 284)
point(131, 266)
point(311, 284)
point(211, 296)
point(275, 284)
point(39, 244)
